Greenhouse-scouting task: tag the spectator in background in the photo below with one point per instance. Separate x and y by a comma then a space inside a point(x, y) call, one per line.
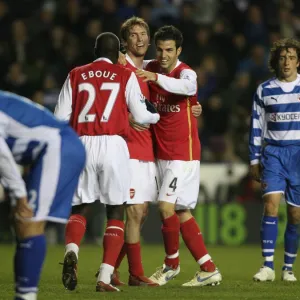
point(106, 11)
point(5, 21)
point(92, 30)
point(187, 24)
point(19, 41)
point(256, 64)
point(215, 131)
point(127, 9)
point(16, 80)
point(238, 99)
point(72, 17)
point(51, 92)
point(58, 37)
point(255, 30)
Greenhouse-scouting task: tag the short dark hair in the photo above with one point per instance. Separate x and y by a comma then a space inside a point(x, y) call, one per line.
point(107, 45)
point(167, 33)
point(278, 46)
point(129, 23)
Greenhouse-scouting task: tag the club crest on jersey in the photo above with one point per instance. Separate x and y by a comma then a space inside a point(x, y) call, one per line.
point(132, 193)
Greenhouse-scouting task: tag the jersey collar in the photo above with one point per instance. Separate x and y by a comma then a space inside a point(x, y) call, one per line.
point(103, 59)
point(128, 58)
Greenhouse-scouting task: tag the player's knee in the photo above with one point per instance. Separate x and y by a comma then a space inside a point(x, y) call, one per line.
point(184, 215)
point(294, 215)
point(115, 212)
point(82, 209)
point(135, 213)
point(25, 229)
point(166, 209)
point(271, 209)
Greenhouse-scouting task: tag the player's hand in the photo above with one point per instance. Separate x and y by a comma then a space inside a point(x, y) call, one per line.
point(137, 126)
point(122, 59)
point(255, 172)
point(147, 76)
point(22, 209)
point(150, 107)
point(197, 110)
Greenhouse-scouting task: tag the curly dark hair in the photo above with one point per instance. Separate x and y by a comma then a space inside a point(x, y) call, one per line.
point(278, 46)
point(169, 32)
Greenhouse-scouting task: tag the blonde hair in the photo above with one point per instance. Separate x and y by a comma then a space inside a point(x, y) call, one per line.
point(129, 23)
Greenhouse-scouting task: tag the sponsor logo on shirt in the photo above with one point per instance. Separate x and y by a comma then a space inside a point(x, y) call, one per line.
point(161, 107)
point(281, 117)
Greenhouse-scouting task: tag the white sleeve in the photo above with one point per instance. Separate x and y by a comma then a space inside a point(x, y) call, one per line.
point(185, 85)
point(10, 173)
point(136, 103)
point(63, 109)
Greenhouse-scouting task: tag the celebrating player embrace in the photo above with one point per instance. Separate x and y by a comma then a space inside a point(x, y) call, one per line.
point(173, 89)
point(95, 99)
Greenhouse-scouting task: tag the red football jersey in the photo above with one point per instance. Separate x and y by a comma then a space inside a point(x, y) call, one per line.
point(98, 99)
point(176, 134)
point(140, 142)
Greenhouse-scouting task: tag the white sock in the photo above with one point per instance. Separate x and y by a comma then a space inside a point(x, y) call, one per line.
point(105, 273)
point(72, 247)
point(27, 296)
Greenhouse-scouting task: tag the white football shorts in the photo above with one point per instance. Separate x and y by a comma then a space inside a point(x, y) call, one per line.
point(179, 182)
point(143, 187)
point(106, 176)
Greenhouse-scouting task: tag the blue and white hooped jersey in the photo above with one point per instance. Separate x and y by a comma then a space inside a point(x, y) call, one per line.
point(275, 116)
point(26, 127)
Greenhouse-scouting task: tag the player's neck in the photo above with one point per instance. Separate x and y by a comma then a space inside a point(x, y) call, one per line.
point(137, 60)
point(170, 69)
point(288, 79)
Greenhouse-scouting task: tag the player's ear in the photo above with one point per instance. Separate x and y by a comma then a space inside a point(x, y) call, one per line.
point(124, 44)
point(179, 51)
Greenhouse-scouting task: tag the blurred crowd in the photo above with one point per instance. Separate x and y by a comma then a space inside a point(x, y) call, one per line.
point(225, 41)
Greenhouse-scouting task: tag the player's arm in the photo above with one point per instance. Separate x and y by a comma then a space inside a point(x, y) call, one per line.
point(136, 103)
point(185, 85)
point(63, 109)
point(9, 172)
point(256, 135)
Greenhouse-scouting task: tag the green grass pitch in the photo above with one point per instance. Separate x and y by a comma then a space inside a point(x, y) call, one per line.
point(237, 264)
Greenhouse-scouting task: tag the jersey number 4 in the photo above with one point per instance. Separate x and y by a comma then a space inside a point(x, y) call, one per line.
point(84, 115)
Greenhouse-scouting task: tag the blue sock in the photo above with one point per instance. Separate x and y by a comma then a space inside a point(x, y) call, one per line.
point(268, 235)
point(29, 258)
point(291, 238)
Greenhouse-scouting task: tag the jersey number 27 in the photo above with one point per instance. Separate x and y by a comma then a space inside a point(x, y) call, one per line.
point(84, 115)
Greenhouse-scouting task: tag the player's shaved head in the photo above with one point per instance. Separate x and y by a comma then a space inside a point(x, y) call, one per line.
point(107, 45)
